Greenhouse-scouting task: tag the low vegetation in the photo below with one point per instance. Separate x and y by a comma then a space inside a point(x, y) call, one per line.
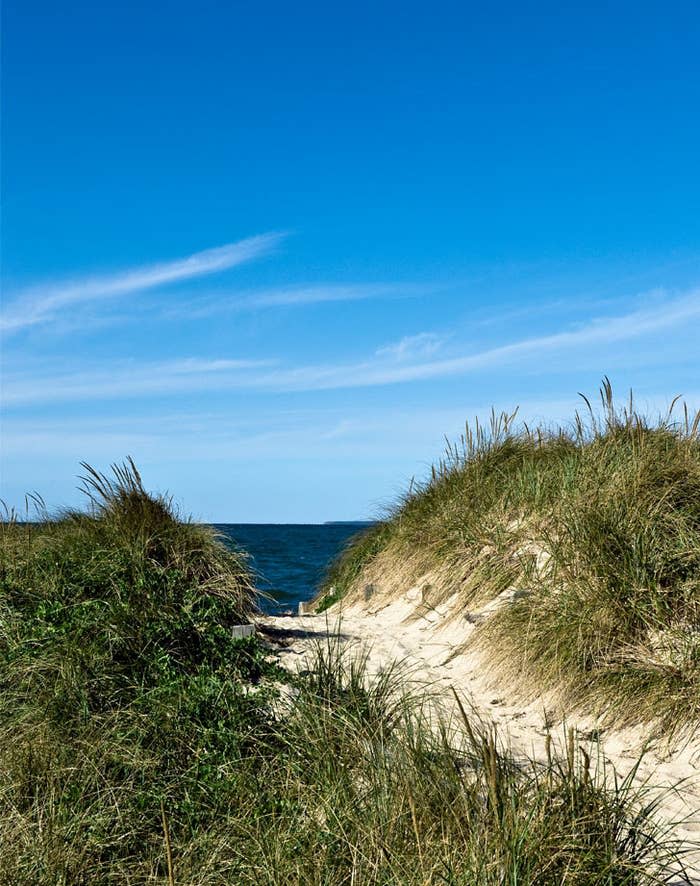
point(141, 743)
point(593, 534)
point(121, 687)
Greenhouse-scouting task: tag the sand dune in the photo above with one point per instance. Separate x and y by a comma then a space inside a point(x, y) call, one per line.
point(434, 645)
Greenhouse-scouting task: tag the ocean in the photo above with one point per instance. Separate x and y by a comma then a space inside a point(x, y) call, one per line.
point(289, 559)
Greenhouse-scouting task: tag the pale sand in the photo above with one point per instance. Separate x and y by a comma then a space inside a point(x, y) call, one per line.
point(433, 645)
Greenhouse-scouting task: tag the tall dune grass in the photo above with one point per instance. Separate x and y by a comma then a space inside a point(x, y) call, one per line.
point(596, 525)
point(371, 791)
point(141, 744)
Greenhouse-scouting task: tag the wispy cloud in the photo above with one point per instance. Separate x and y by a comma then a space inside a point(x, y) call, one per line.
point(413, 347)
point(247, 300)
point(41, 303)
point(408, 360)
point(663, 316)
point(130, 379)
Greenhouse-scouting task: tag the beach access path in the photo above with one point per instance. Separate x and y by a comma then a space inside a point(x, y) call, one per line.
point(433, 649)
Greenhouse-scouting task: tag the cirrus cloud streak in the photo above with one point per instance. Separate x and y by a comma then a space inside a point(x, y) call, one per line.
point(41, 304)
point(133, 379)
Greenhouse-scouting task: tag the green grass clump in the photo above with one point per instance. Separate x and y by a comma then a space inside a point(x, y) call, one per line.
point(121, 687)
point(597, 527)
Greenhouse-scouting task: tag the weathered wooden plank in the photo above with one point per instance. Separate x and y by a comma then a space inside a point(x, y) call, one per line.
point(241, 631)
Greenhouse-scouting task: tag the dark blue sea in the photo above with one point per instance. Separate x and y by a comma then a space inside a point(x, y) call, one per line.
point(289, 559)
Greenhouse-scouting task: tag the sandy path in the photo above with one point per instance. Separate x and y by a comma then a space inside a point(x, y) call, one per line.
point(426, 642)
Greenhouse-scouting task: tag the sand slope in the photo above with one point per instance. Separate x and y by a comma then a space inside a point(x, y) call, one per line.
point(433, 644)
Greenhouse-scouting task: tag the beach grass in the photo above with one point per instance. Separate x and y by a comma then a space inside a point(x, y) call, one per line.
point(140, 743)
point(372, 790)
point(593, 530)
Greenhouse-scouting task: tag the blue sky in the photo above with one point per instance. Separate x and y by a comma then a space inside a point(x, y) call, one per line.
point(277, 251)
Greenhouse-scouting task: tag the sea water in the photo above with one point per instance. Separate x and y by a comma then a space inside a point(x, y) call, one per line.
point(289, 560)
